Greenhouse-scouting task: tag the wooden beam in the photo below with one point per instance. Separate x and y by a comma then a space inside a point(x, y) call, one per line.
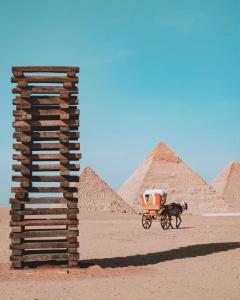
point(45, 178)
point(38, 233)
point(40, 168)
point(43, 244)
point(44, 90)
point(45, 123)
point(45, 79)
point(43, 200)
point(47, 157)
point(41, 69)
point(45, 136)
point(45, 146)
point(42, 222)
point(44, 190)
point(44, 100)
point(44, 211)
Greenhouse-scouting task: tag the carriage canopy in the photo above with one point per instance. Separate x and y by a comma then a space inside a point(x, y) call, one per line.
point(153, 199)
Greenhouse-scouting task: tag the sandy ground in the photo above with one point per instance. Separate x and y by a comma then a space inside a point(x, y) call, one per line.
point(121, 260)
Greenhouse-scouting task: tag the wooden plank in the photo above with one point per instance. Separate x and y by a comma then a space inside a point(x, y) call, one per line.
point(45, 79)
point(45, 178)
point(45, 136)
point(28, 129)
point(45, 123)
point(42, 222)
point(45, 244)
point(44, 190)
point(45, 146)
point(54, 69)
point(32, 114)
point(44, 100)
point(46, 157)
point(45, 257)
point(37, 233)
point(44, 211)
point(44, 200)
point(44, 90)
point(70, 167)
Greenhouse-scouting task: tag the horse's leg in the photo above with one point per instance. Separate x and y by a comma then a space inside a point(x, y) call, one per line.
point(180, 221)
point(171, 221)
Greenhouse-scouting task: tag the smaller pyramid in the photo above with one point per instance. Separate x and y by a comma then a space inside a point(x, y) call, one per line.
point(96, 195)
point(227, 184)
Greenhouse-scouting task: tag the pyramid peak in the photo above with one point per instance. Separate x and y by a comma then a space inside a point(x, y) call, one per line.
point(234, 164)
point(88, 169)
point(162, 152)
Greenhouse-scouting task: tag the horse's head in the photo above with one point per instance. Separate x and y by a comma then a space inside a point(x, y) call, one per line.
point(184, 205)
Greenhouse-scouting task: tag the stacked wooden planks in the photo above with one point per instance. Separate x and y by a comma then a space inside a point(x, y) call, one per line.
point(46, 130)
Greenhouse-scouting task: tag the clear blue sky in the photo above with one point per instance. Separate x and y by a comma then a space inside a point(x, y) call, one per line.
point(150, 71)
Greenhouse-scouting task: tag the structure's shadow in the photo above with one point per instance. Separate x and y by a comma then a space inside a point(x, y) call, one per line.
point(157, 257)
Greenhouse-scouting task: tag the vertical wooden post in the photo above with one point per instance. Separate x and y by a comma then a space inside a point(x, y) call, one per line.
point(46, 130)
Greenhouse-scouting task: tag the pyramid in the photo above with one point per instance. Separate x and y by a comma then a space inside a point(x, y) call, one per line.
point(227, 184)
point(96, 195)
point(162, 168)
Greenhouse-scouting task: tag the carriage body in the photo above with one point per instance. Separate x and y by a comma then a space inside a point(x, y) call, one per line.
point(153, 200)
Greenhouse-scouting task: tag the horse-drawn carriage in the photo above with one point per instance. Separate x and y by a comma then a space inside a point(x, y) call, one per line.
point(153, 205)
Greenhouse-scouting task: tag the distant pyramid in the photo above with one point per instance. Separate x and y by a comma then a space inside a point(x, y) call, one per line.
point(227, 184)
point(162, 168)
point(96, 195)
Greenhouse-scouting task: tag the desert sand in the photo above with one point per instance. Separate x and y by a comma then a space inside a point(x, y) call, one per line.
point(121, 260)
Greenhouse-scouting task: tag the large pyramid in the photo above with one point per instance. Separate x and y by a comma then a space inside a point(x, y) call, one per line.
point(96, 195)
point(227, 184)
point(162, 168)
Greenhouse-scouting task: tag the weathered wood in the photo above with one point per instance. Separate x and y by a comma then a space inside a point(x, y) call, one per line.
point(41, 101)
point(42, 222)
point(45, 123)
point(45, 146)
point(44, 211)
point(44, 90)
point(45, 257)
point(38, 233)
point(46, 157)
point(45, 79)
point(41, 244)
point(70, 167)
point(41, 69)
point(45, 200)
point(45, 111)
point(45, 136)
point(45, 178)
point(44, 190)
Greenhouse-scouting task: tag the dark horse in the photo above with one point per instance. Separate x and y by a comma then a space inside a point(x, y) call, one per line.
point(175, 210)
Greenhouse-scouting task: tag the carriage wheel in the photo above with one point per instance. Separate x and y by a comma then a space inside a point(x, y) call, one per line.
point(165, 220)
point(146, 221)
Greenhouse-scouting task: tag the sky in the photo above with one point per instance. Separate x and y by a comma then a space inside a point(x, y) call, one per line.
point(151, 71)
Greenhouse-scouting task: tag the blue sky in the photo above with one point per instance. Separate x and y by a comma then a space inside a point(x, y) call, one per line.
point(150, 71)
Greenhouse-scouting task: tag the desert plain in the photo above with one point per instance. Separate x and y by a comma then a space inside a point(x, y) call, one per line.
point(121, 260)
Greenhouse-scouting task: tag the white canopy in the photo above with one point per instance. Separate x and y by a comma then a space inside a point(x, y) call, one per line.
point(162, 192)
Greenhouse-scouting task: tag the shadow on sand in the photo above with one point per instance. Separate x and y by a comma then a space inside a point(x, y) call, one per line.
point(157, 257)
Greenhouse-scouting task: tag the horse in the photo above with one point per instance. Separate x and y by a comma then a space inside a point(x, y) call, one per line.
point(175, 210)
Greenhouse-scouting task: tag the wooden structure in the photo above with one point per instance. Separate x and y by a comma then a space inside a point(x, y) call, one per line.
point(44, 211)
